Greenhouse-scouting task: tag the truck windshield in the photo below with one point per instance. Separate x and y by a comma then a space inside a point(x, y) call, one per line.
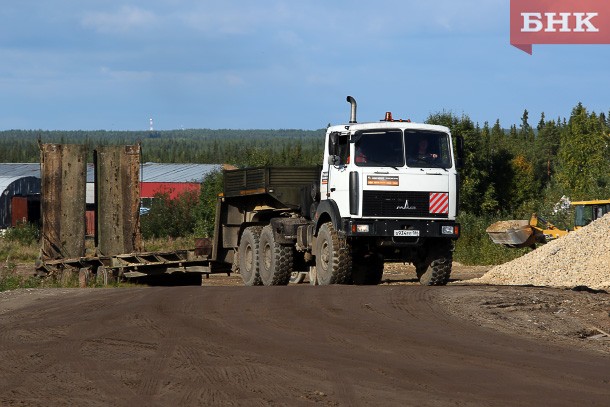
point(379, 148)
point(428, 149)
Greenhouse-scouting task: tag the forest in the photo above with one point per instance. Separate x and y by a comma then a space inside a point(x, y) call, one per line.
point(510, 171)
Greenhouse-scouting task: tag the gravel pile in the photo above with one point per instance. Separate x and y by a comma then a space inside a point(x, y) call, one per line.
point(582, 258)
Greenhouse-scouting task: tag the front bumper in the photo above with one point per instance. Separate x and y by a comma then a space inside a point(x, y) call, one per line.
point(387, 227)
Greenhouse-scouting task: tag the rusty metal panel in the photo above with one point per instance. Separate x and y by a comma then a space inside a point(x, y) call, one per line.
point(90, 223)
point(19, 210)
point(117, 176)
point(63, 173)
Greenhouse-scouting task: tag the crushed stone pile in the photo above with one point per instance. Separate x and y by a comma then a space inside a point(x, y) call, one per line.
point(582, 258)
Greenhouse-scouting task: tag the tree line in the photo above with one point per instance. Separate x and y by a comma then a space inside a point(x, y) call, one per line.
point(529, 168)
point(204, 146)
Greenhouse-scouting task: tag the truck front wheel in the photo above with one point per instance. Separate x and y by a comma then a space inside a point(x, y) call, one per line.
point(248, 255)
point(333, 257)
point(275, 260)
point(438, 268)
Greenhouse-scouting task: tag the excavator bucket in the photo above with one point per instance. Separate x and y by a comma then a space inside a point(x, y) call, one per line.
point(512, 233)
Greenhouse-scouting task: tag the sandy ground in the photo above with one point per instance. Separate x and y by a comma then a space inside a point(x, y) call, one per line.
point(224, 344)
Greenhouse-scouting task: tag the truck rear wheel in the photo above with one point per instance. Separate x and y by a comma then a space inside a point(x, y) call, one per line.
point(439, 263)
point(333, 257)
point(275, 260)
point(248, 255)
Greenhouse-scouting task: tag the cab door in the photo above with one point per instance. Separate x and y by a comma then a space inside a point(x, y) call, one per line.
point(335, 177)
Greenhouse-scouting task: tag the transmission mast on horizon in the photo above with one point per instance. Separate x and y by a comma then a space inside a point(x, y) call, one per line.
point(151, 124)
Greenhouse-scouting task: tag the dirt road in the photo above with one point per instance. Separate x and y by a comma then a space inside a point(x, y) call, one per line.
point(295, 345)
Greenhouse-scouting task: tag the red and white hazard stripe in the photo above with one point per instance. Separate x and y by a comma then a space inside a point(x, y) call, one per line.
point(439, 202)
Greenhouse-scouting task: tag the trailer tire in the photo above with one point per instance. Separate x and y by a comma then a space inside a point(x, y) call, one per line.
point(102, 276)
point(333, 257)
point(275, 260)
point(248, 255)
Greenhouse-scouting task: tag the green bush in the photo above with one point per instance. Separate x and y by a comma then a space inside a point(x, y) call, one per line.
point(25, 233)
point(206, 212)
point(13, 281)
point(169, 217)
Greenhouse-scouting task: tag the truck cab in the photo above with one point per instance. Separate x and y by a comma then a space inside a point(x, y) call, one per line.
point(390, 188)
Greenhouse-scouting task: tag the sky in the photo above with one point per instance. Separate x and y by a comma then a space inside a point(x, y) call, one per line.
point(279, 64)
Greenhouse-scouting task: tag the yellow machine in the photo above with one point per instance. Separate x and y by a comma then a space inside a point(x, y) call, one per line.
point(523, 233)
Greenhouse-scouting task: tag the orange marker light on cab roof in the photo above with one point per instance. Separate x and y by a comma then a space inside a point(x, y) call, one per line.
point(389, 118)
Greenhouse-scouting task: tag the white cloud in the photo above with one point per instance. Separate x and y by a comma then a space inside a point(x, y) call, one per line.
point(124, 19)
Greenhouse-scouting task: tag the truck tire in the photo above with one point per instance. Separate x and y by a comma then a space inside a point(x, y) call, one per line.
point(333, 257)
point(275, 260)
point(368, 270)
point(439, 263)
point(248, 255)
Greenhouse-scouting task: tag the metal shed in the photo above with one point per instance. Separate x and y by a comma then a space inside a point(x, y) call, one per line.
point(19, 186)
point(173, 178)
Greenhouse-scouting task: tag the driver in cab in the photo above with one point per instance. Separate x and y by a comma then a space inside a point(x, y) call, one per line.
point(422, 151)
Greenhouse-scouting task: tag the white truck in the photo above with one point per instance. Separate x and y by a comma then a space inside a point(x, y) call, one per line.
point(387, 191)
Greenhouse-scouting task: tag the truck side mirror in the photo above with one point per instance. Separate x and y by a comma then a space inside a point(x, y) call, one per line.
point(460, 151)
point(333, 144)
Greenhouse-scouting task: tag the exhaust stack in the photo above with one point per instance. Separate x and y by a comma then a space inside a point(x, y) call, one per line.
point(352, 101)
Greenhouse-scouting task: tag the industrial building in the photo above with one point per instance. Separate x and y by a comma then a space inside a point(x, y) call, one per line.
point(19, 194)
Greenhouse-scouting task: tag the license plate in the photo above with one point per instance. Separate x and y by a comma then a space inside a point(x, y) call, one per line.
point(409, 233)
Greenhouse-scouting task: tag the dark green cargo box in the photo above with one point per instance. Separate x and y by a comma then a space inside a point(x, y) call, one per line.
point(282, 183)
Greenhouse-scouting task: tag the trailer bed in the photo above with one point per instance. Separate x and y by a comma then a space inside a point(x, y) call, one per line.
point(133, 265)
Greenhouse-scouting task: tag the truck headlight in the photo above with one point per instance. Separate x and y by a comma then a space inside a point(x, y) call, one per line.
point(362, 228)
point(448, 230)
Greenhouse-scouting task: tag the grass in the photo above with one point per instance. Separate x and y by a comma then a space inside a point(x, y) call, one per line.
point(11, 281)
point(14, 251)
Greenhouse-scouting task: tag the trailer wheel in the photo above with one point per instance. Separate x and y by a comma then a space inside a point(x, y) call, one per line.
point(439, 269)
point(333, 257)
point(248, 255)
point(102, 276)
point(275, 260)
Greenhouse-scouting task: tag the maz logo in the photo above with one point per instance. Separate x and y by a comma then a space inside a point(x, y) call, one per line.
point(406, 206)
